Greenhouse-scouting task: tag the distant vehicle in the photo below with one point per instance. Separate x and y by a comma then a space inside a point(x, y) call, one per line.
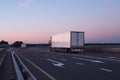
point(23, 45)
point(67, 42)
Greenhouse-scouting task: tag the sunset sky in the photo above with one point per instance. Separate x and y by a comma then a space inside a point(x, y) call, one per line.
point(34, 21)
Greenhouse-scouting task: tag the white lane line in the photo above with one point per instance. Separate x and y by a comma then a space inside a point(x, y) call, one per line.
point(98, 58)
point(94, 61)
point(31, 75)
point(79, 63)
point(56, 63)
point(113, 57)
point(40, 69)
point(93, 57)
point(64, 59)
point(107, 70)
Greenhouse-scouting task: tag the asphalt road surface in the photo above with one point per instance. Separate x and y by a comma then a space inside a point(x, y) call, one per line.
point(45, 65)
point(7, 71)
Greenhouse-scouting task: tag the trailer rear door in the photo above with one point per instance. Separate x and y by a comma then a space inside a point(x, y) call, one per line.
point(77, 39)
point(80, 39)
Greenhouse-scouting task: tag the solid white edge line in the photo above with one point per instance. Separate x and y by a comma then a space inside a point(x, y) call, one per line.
point(32, 76)
point(40, 69)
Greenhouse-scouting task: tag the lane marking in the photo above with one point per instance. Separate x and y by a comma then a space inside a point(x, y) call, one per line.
point(32, 76)
point(101, 58)
point(107, 70)
point(64, 59)
point(108, 59)
point(113, 57)
point(40, 69)
point(56, 63)
point(79, 63)
point(94, 61)
point(98, 58)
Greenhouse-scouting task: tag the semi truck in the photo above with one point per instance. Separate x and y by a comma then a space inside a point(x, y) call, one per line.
point(72, 41)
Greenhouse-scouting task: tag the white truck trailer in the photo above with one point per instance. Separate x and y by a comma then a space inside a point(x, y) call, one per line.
point(68, 42)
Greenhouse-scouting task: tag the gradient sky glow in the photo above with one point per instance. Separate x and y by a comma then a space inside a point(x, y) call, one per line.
point(34, 21)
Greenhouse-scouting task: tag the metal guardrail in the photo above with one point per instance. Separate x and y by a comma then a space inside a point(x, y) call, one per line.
point(31, 76)
point(18, 72)
point(22, 71)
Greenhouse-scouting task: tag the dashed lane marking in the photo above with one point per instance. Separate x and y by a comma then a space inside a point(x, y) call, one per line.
point(108, 59)
point(64, 59)
point(90, 60)
point(107, 70)
point(79, 63)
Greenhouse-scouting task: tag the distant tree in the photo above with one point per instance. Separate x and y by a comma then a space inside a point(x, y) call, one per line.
point(3, 42)
point(17, 44)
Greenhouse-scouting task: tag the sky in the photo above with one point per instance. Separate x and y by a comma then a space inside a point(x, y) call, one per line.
point(34, 21)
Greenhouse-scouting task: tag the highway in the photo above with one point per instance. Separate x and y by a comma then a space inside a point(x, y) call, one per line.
point(7, 71)
point(45, 65)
